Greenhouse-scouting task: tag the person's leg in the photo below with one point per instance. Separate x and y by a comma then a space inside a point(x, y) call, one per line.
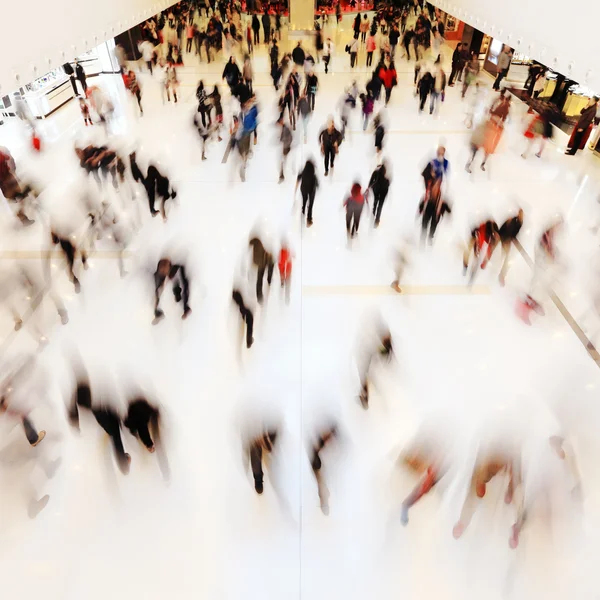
point(311, 200)
point(427, 482)
point(474, 150)
point(506, 246)
point(249, 318)
point(357, 214)
point(33, 437)
point(388, 95)
point(378, 215)
point(467, 253)
point(256, 464)
point(326, 160)
point(270, 269)
point(110, 422)
point(432, 102)
point(422, 103)
point(259, 283)
point(348, 220)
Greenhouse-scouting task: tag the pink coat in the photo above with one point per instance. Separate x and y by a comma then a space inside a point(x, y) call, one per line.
point(371, 45)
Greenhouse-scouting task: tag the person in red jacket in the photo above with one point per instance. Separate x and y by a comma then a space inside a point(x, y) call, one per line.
point(354, 205)
point(285, 269)
point(389, 78)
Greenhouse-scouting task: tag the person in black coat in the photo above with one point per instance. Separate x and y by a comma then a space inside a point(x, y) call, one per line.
point(256, 450)
point(266, 22)
point(80, 73)
point(322, 440)
point(263, 261)
point(457, 64)
point(379, 184)
point(157, 184)
point(181, 287)
point(143, 422)
point(298, 55)
point(68, 69)
point(256, 29)
point(308, 182)
point(231, 73)
point(425, 87)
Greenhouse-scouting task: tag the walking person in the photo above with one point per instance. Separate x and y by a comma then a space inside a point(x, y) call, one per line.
point(181, 287)
point(304, 112)
point(508, 233)
point(308, 182)
point(583, 128)
point(327, 53)
point(439, 87)
point(203, 106)
point(379, 131)
point(263, 261)
point(371, 47)
point(367, 108)
point(286, 137)
point(256, 29)
point(353, 51)
point(321, 441)
point(394, 38)
point(312, 85)
point(425, 87)
point(472, 69)
point(284, 264)
point(248, 74)
point(81, 76)
point(484, 236)
point(330, 139)
point(354, 205)
point(379, 184)
point(364, 28)
point(504, 60)
point(266, 22)
point(457, 64)
point(389, 79)
point(134, 88)
point(106, 416)
point(147, 50)
point(171, 82)
point(256, 450)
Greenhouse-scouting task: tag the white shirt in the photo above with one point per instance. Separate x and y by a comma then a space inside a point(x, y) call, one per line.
point(147, 50)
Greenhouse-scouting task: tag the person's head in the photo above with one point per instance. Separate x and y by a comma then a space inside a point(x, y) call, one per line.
point(383, 168)
point(521, 215)
point(355, 189)
point(232, 60)
point(299, 44)
point(131, 74)
point(309, 167)
point(365, 17)
point(459, 46)
point(164, 267)
point(330, 124)
point(441, 152)
point(473, 54)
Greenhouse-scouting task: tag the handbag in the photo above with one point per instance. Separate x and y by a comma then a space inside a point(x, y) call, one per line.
point(348, 48)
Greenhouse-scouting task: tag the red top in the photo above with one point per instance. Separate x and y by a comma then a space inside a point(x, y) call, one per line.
point(285, 263)
point(387, 76)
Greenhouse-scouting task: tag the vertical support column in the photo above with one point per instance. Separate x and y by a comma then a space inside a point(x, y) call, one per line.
point(302, 15)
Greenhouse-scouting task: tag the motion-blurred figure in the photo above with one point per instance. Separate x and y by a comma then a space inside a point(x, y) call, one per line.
point(284, 264)
point(482, 241)
point(157, 184)
point(378, 345)
point(330, 139)
point(508, 235)
point(256, 451)
point(323, 439)
point(181, 287)
point(427, 460)
point(105, 415)
point(488, 465)
point(354, 205)
point(308, 182)
point(546, 259)
point(379, 184)
point(71, 251)
point(400, 262)
point(286, 138)
point(263, 261)
point(11, 187)
point(432, 209)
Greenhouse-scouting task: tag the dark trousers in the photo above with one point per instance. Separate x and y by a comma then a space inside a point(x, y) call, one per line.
point(326, 60)
point(369, 59)
point(577, 139)
point(256, 452)
point(363, 36)
point(454, 74)
point(256, 37)
point(141, 417)
point(83, 83)
point(352, 59)
point(329, 158)
point(388, 95)
point(260, 277)
point(111, 423)
point(430, 221)
point(378, 201)
point(423, 100)
point(407, 48)
point(246, 315)
point(188, 45)
point(500, 77)
point(353, 213)
point(311, 100)
point(30, 431)
point(267, 36)
point(149, 64)
point(308, 199)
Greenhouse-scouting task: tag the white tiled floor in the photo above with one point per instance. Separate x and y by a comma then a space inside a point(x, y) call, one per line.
point(462, 359)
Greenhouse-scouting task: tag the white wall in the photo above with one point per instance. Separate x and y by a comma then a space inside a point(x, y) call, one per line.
point(39, 35)
point(560, 34)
